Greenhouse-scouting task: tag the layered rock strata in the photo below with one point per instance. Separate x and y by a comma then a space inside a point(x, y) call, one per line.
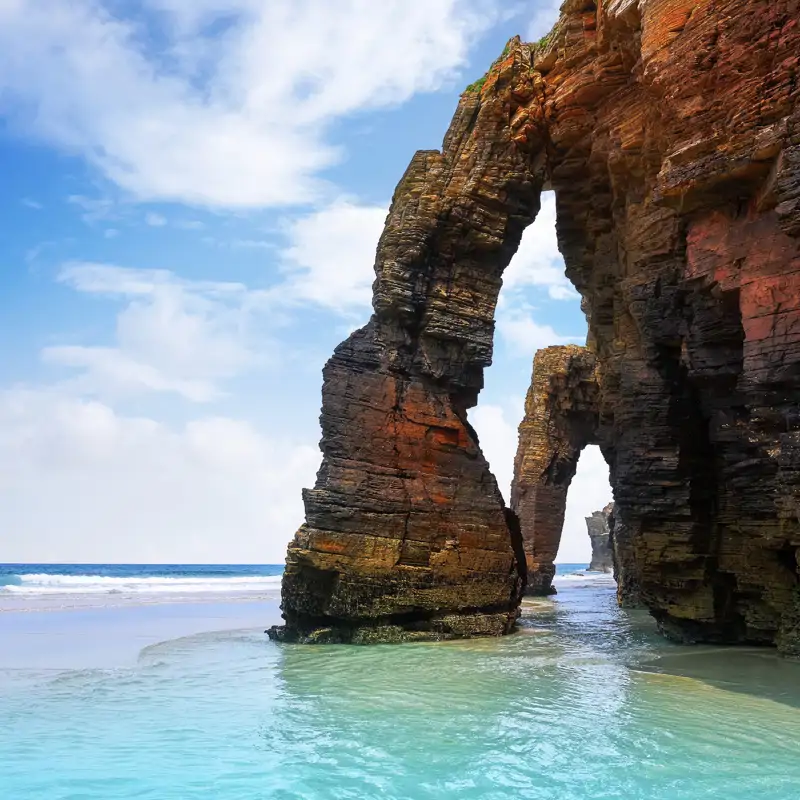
point(674, 144)
point(670, 133)
point(406, 533)
point(561, 418)
point(599, 531)
point(623, 557)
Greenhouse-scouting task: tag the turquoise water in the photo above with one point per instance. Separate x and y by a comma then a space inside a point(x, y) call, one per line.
point(586, 702)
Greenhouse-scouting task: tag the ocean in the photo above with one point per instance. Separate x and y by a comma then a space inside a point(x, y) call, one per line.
point(158, 683)
point(30, 587)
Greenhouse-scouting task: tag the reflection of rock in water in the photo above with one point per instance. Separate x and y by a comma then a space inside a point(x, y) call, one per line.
point(597, 525)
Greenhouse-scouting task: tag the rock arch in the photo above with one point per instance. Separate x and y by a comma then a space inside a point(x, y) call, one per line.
point(561, 417)
point(670, 132)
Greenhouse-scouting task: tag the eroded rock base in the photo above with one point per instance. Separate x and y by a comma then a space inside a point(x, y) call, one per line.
point(438, 628)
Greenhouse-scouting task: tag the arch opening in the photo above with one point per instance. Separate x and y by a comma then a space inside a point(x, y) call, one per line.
point(561, 419)
point(585, 534)
point(537, 306)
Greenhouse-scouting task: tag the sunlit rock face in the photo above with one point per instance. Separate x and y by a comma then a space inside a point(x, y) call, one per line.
point(670, 132)
point(406, 533)
point(674, 145)
point(561, 418)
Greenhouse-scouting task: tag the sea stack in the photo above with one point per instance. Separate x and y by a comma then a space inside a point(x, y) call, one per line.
point(598, 529)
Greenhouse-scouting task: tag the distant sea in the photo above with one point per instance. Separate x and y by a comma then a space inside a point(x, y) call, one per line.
point(63, 586)
point(158, 683)
point(49, 587)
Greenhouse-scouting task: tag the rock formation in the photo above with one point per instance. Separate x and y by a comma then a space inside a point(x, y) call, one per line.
point(562, 412)
point(599, 533)
point(561, 418)
point(670, 133)
point(406, 532)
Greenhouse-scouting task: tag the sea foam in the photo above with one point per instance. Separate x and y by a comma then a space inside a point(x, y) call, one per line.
point(48, 584)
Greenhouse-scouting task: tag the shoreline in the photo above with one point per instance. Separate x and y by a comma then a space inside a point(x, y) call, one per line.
point(102, 638)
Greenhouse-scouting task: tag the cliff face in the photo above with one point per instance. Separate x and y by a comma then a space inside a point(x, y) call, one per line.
point(670, 132)
point(674, 147)
point(599, 532)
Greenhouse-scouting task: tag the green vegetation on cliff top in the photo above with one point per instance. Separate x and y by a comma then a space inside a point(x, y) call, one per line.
point(477, 85)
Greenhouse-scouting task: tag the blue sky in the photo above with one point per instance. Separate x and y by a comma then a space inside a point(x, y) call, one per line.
point(192, 195)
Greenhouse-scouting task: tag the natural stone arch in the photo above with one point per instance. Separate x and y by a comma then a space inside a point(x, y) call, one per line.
point(561, 418)
point(670, 133)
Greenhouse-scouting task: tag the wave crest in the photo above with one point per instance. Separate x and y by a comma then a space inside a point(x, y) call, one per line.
point(45, 583)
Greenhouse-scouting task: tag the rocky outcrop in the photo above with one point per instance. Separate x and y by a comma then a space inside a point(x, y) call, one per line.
point(406, 532)
point(561, 418)
point(674, 145)
point(599, 534)
point(670, 132)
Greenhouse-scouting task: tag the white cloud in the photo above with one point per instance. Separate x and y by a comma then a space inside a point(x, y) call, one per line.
point(537, 266)
point(155, 220)
point(252, 244)
point(542, 19)
point(229, 103)
point(93, 208)
point(172, 335)
point(497, 431)
point(590, 489)
point(79, 482)
point(330, 256)
point(33, 204)
point(523, 335)
point(538, 261)
point(325, 258)
point(109, 370)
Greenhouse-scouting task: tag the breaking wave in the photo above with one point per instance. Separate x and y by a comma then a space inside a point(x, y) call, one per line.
point(47, 584)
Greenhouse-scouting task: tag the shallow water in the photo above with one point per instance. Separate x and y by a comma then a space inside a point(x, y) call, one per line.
point(586, 702)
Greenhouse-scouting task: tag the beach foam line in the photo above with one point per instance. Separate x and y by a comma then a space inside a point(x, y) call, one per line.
point(45, 583)
point(584, 573)
point(584, 577)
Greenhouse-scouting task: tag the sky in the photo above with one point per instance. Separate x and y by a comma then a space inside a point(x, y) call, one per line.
point(192, 195)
